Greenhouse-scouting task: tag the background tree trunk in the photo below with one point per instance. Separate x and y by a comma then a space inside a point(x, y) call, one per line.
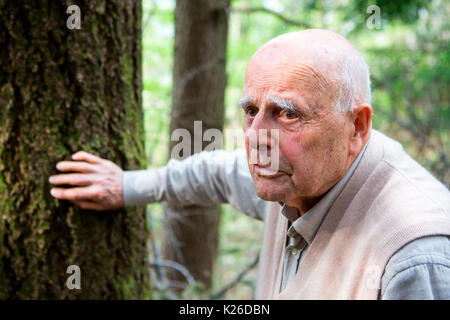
point(62, 91)
point(199, 79)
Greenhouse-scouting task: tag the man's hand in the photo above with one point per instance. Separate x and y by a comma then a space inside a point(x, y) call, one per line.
point(97, 182)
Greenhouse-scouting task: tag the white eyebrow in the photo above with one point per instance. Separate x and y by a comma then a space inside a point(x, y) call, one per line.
point(284, 104)
point(245, 101)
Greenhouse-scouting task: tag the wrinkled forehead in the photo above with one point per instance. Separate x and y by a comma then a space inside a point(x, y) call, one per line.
point(274, 72)
point(285, 72)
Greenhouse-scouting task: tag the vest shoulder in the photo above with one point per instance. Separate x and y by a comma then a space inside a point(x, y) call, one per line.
point(409, 184)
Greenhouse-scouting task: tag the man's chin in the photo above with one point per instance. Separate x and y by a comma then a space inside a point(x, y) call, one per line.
point(270, 194)
point(270, 197)
point(271, 189)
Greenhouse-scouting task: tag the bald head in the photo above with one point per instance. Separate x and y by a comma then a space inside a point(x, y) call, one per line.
point(328, 64)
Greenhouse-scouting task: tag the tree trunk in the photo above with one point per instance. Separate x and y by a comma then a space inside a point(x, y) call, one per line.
point(199, 79)
point(63, 90)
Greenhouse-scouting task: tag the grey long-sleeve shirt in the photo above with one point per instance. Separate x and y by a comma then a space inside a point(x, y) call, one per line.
point(419, 270)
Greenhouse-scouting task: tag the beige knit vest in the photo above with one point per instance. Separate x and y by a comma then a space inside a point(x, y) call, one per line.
point(389, 201)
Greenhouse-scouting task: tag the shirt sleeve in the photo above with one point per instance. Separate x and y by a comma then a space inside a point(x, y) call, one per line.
point(206, 178)
point(419, 271)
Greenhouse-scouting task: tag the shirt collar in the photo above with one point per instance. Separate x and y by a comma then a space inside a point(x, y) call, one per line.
point(308, 224)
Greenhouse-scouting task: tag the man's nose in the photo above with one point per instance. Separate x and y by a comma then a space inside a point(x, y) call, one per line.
point(261, 138)
point(259, 132)
point(260, 121)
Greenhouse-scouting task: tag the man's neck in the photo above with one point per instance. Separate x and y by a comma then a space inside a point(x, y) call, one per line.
point(304, 204)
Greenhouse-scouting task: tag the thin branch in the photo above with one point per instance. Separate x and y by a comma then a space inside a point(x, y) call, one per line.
point(238, 278)
point(174, 265)
point(194, 72)
point(283, 18)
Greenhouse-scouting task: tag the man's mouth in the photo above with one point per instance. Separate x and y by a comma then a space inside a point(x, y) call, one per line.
point(266, 171)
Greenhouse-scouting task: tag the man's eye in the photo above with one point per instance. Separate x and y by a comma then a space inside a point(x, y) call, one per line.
point(252, 112)
point(289, 115)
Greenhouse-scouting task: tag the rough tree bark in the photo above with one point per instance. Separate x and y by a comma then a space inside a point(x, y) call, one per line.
point(62, 91)
point(199, 79)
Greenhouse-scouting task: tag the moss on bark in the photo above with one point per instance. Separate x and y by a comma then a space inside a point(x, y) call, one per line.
point(62, 91)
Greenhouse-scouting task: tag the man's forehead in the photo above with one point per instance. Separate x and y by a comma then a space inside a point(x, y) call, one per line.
point(289, 70)
point(300, 83)
point(285, 75)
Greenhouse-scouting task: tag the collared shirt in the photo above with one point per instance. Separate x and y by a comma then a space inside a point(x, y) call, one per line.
point(303, 229)
point(419, 270)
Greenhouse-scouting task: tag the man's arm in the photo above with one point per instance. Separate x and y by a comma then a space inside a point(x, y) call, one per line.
point(205, 178)
point(419, 271)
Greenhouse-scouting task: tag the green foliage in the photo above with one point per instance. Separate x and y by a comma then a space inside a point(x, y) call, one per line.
point(406, 11)
point(157, 52)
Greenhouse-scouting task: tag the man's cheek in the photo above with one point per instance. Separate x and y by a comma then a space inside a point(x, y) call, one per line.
point(290, 152)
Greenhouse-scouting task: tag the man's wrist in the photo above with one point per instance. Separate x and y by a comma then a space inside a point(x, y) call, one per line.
point(139, 187)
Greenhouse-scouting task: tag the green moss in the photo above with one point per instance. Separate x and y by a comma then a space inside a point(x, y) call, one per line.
point(41, 236)
point(128, 288)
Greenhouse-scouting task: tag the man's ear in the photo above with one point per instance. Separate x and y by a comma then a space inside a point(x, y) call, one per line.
point(362, 126)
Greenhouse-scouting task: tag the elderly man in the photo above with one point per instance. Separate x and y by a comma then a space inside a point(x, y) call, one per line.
point(348, 214)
